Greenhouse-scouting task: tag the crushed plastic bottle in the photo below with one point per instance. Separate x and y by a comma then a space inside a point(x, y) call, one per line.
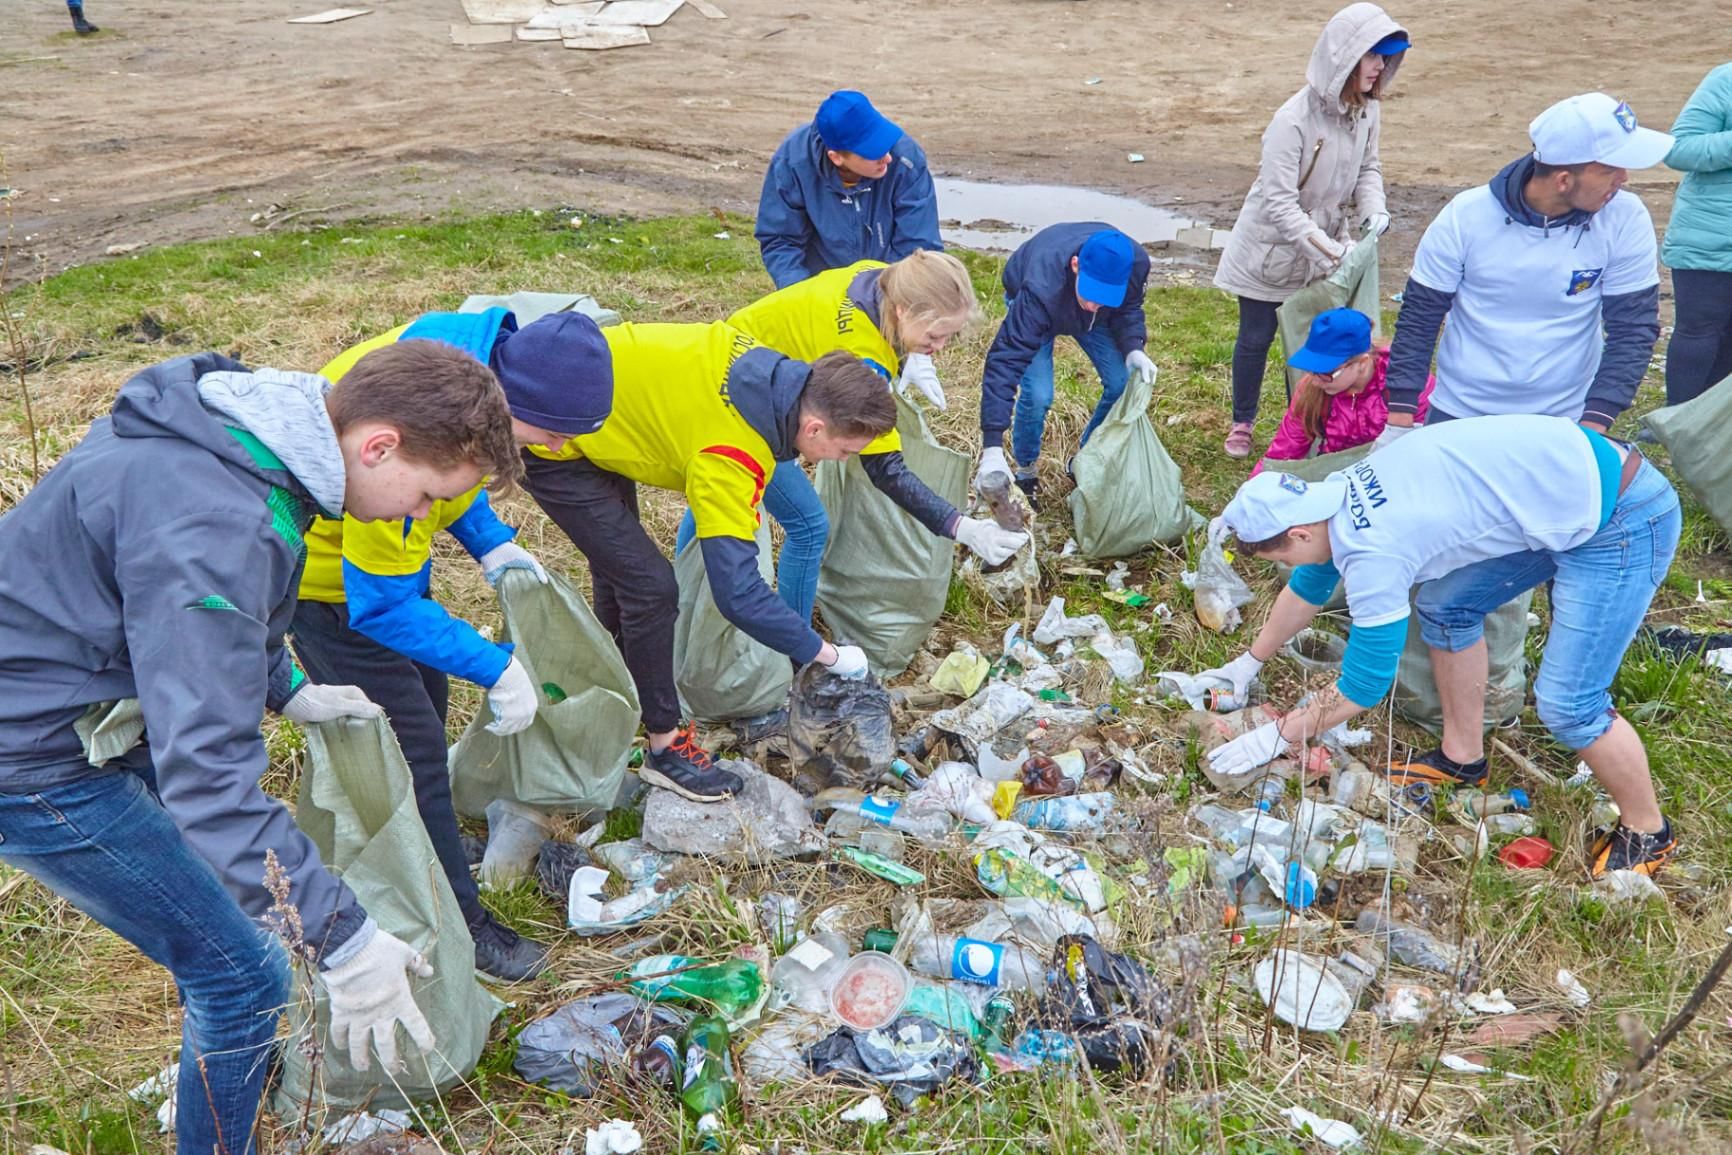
point(995, 492)
point(1410, 945)
point(730, 987)
point(1480, 804)
point(926, 825)
point(1075, 812)
point(708, 1089)
point(987, 964)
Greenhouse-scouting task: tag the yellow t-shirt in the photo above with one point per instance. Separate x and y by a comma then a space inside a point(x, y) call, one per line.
point(813, 317)
point(673, 427)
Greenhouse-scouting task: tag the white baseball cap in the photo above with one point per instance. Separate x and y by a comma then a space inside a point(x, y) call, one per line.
point(1271, 503)
point(1595, 127)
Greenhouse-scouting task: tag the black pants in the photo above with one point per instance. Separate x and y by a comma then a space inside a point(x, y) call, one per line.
point(414, 699)
point(1700, 352)
point(1251, 356)
point(634, 592)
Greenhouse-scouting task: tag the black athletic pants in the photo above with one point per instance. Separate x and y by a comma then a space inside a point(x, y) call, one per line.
point(1251, 356)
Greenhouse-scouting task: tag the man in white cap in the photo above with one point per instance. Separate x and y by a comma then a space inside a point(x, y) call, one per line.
point(1549, 278)
point(1474, 513)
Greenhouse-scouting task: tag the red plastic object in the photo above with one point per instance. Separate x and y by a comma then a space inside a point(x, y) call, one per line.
point(1527, 853)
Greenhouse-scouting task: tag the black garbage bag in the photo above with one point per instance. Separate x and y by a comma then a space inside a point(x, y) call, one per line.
point(911, 1057)
point(556, 864)
point(1678, 643)
point(840, 731)
point(1111, 1005)
point(588, 1041)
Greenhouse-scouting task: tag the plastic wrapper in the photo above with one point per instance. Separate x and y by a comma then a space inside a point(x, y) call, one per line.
point(1218, 590)
point(840, 731)
point(981, 717)
point(912, 1056)
point(555, 865)
point(589, 1041)
point(1108, 1002)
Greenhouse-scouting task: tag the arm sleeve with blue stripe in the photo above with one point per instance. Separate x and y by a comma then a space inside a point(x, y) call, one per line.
point(479, 529)
point(1373, 654)
point(1315, 583)
point(394, 612)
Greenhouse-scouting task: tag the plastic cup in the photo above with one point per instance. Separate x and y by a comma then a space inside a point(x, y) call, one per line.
point(1529, 853)
point(870, 991)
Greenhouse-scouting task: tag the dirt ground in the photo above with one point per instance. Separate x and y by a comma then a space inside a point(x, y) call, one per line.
point(185, 117)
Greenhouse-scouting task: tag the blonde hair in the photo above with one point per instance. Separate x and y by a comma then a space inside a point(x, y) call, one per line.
point(928, 286)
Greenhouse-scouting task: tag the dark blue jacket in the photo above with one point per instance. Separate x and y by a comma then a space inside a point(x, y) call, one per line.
point(809, 221)
point(1040, 291)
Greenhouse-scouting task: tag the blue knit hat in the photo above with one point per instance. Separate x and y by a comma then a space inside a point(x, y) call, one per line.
point(557, 374)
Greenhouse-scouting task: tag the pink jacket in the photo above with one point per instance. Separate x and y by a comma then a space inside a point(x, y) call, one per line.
point(1354, 419)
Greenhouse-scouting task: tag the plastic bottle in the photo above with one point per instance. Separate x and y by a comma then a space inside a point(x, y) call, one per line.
point(909, 775)
point(1510, 825)
point(995, 492)
point(1084, 812)
point(996, 1023)
point(659, 1063)
point(1270, 791)
point(729, 986)
point(972, 960)
point(925, 824)
point(1410, 945)
point(803, 977)
point(708, 1088)
point(1479, 804)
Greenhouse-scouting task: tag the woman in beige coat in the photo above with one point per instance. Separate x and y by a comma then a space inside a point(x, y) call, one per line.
point(1319, 158)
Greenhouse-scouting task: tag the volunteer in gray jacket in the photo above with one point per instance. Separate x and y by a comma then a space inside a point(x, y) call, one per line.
point(159, 561)
point(1319, 186)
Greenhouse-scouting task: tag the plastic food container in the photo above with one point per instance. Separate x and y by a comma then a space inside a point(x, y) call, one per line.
point(870, 991)
point(1316, 650)
point(1528, 853)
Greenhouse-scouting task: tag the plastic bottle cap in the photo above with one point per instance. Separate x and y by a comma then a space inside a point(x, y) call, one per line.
point(1520, 798)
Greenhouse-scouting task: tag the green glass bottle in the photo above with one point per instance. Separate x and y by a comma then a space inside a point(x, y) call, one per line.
point(708, 1088)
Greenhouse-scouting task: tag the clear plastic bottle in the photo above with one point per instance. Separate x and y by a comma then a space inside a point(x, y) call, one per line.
point(1078, 812)
point(995, 492)
point(926, 825)
point(971, 960)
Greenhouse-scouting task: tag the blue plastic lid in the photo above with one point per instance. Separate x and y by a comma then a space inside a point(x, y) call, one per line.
point(1520, 797)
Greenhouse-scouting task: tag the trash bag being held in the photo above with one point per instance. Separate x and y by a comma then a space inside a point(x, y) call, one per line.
point(1353, 285)
point(1219, 591)
point(722, 672)
point(1128, 494)
point(1698, 435)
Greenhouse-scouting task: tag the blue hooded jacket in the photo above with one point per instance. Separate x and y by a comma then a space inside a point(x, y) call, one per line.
point(1041, 303)
point(809, 221)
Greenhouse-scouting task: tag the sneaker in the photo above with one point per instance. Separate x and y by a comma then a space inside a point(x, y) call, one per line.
point(503, 954)
point(1030, 486)
point(1433, 769)
point(1238, 443)
point(1621, 848)
point(687, 769)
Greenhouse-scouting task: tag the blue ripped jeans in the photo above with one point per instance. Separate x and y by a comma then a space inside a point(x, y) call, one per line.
point(1600, 593)
point(105, 844)
point(1034, 394)
point(791, 500)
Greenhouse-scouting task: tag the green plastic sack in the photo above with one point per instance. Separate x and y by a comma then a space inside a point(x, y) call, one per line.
point(1506, 634)
point(1698, 435)
point(357, 804)
point(885, 576)
point(722, 673)
point(1128, 494)
point(573, 756)
point(1353, 285)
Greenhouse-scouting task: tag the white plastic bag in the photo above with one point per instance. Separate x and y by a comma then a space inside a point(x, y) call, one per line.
point(1218, 591)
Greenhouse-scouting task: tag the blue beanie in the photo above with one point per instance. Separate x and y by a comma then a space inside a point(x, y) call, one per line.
point(557, 373)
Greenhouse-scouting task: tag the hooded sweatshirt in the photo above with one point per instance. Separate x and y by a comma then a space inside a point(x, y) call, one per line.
point(1555, 316)
point(809, 220)
point(159, 561)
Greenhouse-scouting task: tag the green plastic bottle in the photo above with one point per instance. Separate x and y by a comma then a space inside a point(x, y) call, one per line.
point(707, 1086)
point(730, 987)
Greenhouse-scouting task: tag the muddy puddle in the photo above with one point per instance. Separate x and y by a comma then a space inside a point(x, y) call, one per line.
point(999, 217)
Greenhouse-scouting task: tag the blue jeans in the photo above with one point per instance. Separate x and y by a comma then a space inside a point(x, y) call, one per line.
point(1600, 594)
point(792, 501)
point(1034, 394)
point(106, 845)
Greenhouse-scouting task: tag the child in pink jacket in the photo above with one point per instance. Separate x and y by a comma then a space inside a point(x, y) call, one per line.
point(1341, 401)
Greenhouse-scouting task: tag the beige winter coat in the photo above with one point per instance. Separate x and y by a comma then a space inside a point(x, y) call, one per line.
point(1319, 157)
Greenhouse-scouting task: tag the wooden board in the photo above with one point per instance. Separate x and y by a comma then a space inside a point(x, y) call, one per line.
point(331, 16)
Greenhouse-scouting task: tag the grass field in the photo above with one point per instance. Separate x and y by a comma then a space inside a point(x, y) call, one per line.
point(83, 1017)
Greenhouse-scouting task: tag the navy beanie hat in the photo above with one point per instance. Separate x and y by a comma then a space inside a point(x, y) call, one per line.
point(557, 373)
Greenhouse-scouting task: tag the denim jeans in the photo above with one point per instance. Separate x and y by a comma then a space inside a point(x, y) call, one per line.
point(791, 500)
point(1034, 394)
point(1600, 594)
point(105, 844)
point(1258, 321)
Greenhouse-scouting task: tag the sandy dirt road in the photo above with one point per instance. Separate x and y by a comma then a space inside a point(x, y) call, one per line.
point(185, 117)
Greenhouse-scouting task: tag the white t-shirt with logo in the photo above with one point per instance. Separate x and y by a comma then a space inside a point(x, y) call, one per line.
point(1523, 334)
point(1450, 495)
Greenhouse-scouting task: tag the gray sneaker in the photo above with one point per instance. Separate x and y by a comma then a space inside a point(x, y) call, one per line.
point(688, 770)
point(503, 954)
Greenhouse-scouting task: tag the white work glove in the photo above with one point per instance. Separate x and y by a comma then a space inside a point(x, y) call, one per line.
point(370, 996)
point(1241, 672)
point(1140, 366)
point(918, 371)
point(1249, 751)
point(850, 662)
point(992, 460)
point(1374, 224)
point(509, 555)
point(991, 543)
point(512, 700)
point(1323, 250)
point(321, 703)
point(1391, 433)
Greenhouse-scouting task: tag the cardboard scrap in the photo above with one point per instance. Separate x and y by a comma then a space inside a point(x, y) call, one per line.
point(331, 16)
point(503, 11)
point(1513, 1030)
point(710, 11)
point(649, 13)
point(480, 33)
point(603, 36)
point(530, 32)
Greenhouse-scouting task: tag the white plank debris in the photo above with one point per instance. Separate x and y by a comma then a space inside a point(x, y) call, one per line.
point(331, 16)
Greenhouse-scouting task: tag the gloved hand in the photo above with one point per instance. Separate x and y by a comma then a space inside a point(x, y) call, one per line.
point(850, 662)
point(509, 555)
point(1140, 366)
point(918, 371)
point(1391, 433)
point(1241, 672)
point(992, 544)
point(992, 460)
point(370, 996)
point(320, 703)
point(1374, 224)
point(512, 700)
point(1323, 250)
point(1249, 751)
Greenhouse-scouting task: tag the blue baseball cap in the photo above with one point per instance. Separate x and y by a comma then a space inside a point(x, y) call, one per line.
point(847, 122)
point(1103, 268)
point(557, 373)
point(1391, 45)
point(1336, 336)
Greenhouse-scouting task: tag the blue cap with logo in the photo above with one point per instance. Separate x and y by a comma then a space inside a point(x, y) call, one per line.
point(1272, 503)
point(1594, 127)
point(847, 122)
point(1336, 336)
point(1104, 264)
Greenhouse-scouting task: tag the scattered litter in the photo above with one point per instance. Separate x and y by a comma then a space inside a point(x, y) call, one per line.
point(724, 235)
point(1467, 1066)
point(331, 16)
point(1302, 991)
point(1092, 80)
point(614, 1137)
point(1513, 1030)
point(1108, 1003)
point(869, 991)
point(911, 1056)
point(840, 730)
point(1054, 625)
point(584, 1043)
point(1627, 886)
point(1527, 853)
point(869, 1111)
point(962, 672)
point(588, 913)
point(1134, 157)
point(360, 1126)
point(1330, 1132)
point(1493, 1003)
point(1573, 989)
point(129, 247)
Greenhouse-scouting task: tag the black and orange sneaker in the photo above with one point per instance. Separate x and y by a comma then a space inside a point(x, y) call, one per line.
point(687, 769)
point(1435, 769)
point(1621, 848)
